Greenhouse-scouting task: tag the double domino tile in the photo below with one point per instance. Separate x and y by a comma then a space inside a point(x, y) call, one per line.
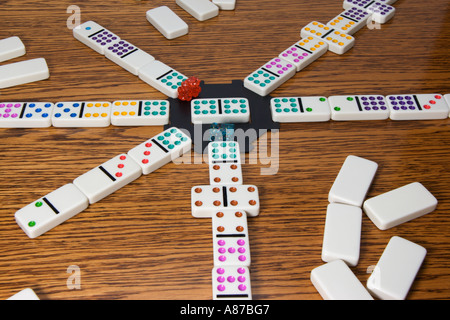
point(338, 42)
point(65, 202)
point(206, 199)
point(223, 110)
point(130, 57)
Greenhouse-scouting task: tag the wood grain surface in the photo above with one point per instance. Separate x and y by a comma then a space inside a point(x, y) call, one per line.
point(142, 242)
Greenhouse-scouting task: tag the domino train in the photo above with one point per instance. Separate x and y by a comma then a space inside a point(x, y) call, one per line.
point(397, 267)
point(316, 39)
point(224, 110)
point(65, 202)
point(228, 202)
point(131, 58)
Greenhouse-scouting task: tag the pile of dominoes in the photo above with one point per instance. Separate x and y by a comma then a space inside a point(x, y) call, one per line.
point(228, 202)
point(397, 267)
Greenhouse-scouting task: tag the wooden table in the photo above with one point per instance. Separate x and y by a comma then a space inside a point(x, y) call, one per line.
point(142, 242)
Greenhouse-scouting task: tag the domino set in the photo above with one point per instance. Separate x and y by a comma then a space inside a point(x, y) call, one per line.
point(65, 202)
point(316, 39)
point(400, 261)
point(228, 202)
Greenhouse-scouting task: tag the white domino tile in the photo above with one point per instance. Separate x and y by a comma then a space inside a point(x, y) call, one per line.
point(207, 199)
point(14, 74)
point(270, 76)
point(200, 9)
point(167, 22)
point(350, 21)
point(231, 244)
point(361, 107)
point(447, 100)
point(82, 114)
point(26, 114)
point(11, 48)
point(225, 4)
point(396, 269)
point(353, 181)
point(128, 56)
point(400, 205)
point(108, 177)
point(417, 107)
point(160, 149)
point(342, 234)
point(140, 112)
point(300, 109)
point(51, 210)
point(25, 294)
point(231, 283)
point(338, 42)
point(162, 77)
point(336, 281)
point(94, 36)
point(304, 52)
point(380, 10)
point(224, 163)
point(220, 110)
